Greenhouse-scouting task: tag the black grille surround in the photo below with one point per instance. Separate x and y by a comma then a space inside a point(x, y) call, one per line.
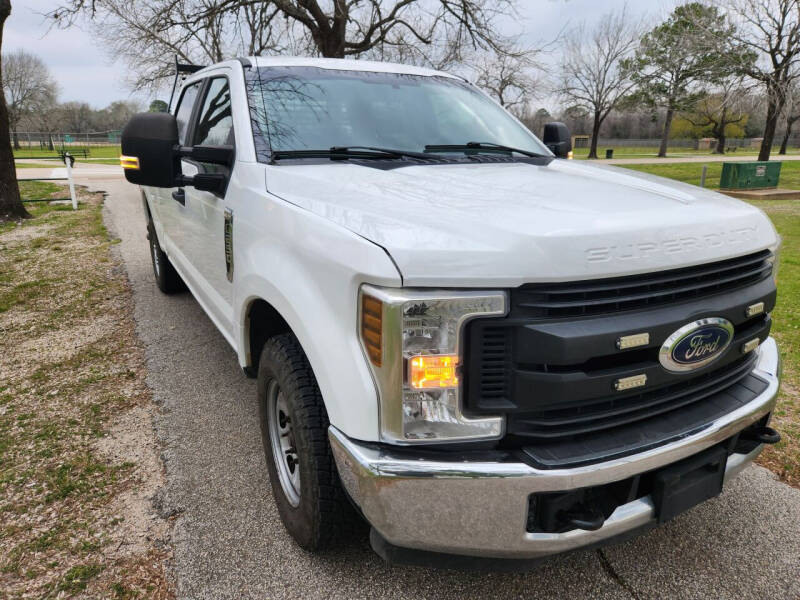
point(551, 363)
point(639, 292)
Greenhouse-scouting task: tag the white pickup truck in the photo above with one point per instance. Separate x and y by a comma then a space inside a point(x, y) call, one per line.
point(487, 351)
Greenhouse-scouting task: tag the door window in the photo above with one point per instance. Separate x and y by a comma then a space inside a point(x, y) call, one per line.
point(215, 127)
point(183, 114)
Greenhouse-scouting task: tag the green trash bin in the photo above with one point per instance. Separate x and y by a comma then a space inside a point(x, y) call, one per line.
point(750, 175)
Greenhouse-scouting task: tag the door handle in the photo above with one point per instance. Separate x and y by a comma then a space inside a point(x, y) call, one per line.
point(180, 196)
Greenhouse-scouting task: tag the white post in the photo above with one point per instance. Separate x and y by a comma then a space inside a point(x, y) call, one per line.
point(703, 174)
point(68, 162)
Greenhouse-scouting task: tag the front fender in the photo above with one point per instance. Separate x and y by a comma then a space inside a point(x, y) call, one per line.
point(310, 270)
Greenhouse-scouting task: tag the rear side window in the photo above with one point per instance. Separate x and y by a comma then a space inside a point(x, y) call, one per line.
point(184, 112)
point(215, 127)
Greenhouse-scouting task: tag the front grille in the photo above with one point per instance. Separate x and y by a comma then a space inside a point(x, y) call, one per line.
point(551, 364)
point(610, 412)
point(643, 291)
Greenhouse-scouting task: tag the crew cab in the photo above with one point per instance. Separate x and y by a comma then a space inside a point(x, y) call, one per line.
point(484, 349)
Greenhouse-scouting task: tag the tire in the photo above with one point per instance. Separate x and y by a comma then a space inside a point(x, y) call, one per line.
point(311, 502)
point(167, 278)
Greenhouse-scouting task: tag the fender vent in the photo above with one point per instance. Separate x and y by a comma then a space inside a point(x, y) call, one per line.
point(228, 231)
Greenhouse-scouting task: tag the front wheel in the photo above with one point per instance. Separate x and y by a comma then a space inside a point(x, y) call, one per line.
point(294, 430)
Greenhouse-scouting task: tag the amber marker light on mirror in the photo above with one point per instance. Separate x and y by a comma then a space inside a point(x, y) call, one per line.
point(129, 162)
point(427, 372)
point(372, 328)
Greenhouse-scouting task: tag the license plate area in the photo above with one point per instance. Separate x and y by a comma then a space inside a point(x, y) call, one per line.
point(689, 482)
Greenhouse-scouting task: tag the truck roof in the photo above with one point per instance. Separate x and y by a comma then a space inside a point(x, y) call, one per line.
point(340, 64)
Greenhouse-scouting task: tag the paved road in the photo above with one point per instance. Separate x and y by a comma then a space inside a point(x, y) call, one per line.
point(229, 542)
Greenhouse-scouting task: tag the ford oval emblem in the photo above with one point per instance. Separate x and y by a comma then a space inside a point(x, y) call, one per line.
point(695, 345)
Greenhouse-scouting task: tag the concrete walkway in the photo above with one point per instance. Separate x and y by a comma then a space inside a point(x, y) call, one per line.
point(82, 171)
point(229, 542)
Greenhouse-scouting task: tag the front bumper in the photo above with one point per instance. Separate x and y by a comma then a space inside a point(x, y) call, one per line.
point(481, 508)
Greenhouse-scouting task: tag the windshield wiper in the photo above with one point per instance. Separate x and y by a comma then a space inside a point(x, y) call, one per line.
point(481, 146)
point(348, 152)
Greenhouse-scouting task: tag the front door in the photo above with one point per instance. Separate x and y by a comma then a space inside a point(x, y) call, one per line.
point(169, 203)
point(204, 242)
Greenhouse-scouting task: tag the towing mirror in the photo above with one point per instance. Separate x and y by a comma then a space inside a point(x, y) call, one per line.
point(557, 139)
point(148, 156)
point(151, 155)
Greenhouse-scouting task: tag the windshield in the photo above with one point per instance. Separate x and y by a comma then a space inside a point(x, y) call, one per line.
point(308, 108)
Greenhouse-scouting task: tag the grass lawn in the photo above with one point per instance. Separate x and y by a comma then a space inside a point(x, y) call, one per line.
point(652, 152)
point(24, 165)
point(72, 506)
point(690, 173)
point(784, 458)
point(104, 151)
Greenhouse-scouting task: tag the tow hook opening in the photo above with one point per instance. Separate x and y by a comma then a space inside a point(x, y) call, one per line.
point(583, 517)
point(674, 488)
point(761, 434)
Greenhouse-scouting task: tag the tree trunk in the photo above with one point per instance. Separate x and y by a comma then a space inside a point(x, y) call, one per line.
point(773, 112)
point(10, 203)
point(330, 43)
point(785, 140)
point(787, 134)
point(662, 151)
point(721, 141)
point(598, 119)
point(50, 145)
point(16, 139)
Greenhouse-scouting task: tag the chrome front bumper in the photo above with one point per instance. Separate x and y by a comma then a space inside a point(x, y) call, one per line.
point(481, 508)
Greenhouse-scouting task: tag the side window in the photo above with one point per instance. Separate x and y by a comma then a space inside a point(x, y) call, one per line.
point(184, 112)
point(215, 127)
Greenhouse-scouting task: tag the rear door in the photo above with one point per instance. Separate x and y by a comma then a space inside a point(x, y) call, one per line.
point(204, 241)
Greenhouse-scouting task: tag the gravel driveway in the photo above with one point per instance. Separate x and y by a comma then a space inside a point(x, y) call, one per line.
point(229, 542)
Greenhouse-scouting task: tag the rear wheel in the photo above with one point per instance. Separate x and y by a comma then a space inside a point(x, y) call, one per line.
point(294, 428)
point(167, 278)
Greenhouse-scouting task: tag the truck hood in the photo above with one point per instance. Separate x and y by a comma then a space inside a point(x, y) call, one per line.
point(505, 224)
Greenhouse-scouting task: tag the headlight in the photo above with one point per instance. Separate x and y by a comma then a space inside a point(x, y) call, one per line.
point(775, 259)
point(412, 340)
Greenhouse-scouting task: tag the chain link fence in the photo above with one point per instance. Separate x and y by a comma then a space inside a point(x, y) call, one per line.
point(59, 141)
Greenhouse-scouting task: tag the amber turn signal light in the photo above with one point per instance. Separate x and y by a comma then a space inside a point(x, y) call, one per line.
point(426, 372)
point(129, 162)
point(372, 328)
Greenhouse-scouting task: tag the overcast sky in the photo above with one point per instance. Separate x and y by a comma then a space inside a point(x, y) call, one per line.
point(84, 72)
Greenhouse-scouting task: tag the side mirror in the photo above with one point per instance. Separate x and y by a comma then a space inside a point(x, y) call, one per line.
point(148, 150)
point(557, 139)
point(151, 155)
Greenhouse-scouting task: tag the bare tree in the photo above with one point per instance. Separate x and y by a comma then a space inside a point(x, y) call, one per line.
point(791, 114)
point(593, 70)
point(148, 35)
point(10, 202)
point(28, 87)
point(771, 29)
point(510, 77)
point(148, 32)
